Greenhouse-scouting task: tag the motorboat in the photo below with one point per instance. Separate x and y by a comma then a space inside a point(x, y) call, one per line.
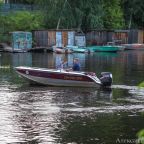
point(61, 77)
point(119, 46)
point(106, 48)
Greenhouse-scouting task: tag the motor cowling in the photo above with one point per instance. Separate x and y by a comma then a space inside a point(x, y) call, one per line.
point(106, 78)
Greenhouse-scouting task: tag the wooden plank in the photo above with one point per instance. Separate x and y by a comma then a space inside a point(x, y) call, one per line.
point(140, 37)
point(64, 38)
point(51, 38)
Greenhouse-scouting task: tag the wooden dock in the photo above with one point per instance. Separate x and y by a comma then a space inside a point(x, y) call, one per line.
point(41, 49)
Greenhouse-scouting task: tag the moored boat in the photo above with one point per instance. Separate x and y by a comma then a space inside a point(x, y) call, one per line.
point(80, 50)
point(119, 46)
point(105, 48)
point(60, 77)
point(58, 50)
point(134, 46)
point(61, 50)
point(77, 49)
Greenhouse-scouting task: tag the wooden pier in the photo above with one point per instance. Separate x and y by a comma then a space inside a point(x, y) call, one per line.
point(41, 49)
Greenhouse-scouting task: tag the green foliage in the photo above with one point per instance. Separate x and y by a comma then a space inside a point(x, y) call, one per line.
point(88, 14)
point(133, 13)
point(141, 84)
point(82, 14)
point(113, 17)
point(19, 21)
point(140, 135)
point(0, 6)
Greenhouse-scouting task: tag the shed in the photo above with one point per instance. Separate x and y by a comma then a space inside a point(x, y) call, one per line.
point(102, 37)
point(49, 38)
point(98, 37)
point(136, 36)
point(128, 36)
point(80, 40)
point(120, 36)
point(21, 41)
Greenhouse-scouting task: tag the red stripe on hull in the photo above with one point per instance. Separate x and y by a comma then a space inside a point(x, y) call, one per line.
point(55, 75)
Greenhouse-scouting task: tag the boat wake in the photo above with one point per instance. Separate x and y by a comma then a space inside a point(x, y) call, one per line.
point(135, 90)
point(107, 109)
point(125, 87)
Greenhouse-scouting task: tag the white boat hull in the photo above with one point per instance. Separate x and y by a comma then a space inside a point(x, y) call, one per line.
point(54, 82)
point(71, 79)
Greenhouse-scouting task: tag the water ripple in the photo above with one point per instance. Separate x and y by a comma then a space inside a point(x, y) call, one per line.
point(36, 114)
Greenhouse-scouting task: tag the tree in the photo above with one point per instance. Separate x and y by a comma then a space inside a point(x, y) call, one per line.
point(88, 13)
point(133, 13)
point(113, 14)
point(83, 14)
point(20, 21)
point(73, 13)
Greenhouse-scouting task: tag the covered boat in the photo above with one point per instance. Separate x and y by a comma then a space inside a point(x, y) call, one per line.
point(60, 77)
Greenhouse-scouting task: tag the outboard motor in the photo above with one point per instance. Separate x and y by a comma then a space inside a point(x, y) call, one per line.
point(106, 78)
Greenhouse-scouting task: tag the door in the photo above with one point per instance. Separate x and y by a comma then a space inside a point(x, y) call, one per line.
point(71, 38)
point(59, 39)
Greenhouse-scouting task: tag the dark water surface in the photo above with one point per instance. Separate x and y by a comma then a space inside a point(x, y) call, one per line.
point(45, 115)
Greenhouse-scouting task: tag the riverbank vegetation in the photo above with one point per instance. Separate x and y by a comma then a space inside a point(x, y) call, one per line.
point(83, 14)
point(77, 14)
point(141, 137)
point(141, 84)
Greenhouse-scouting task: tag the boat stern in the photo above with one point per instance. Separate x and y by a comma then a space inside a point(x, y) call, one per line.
point(106, 79)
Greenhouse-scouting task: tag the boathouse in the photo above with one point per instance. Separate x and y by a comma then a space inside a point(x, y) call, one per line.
point(136, 36)
point(21, 40)
point(97, 37)
point(80, 39)
point(102, 37)
point(61, 38)
point(18, 41)
point(49, 38)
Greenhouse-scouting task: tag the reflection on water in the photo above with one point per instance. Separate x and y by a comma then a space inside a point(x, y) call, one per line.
point(37, 114)
point(69, 58)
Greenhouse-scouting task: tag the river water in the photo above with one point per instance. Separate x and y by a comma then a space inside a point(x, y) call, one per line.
point(44, 115)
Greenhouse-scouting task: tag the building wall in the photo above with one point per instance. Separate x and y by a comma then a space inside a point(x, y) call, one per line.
point(120, 36)
point(22, 40)
point(80, 40)
point(97, 37)
point(49, 38)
